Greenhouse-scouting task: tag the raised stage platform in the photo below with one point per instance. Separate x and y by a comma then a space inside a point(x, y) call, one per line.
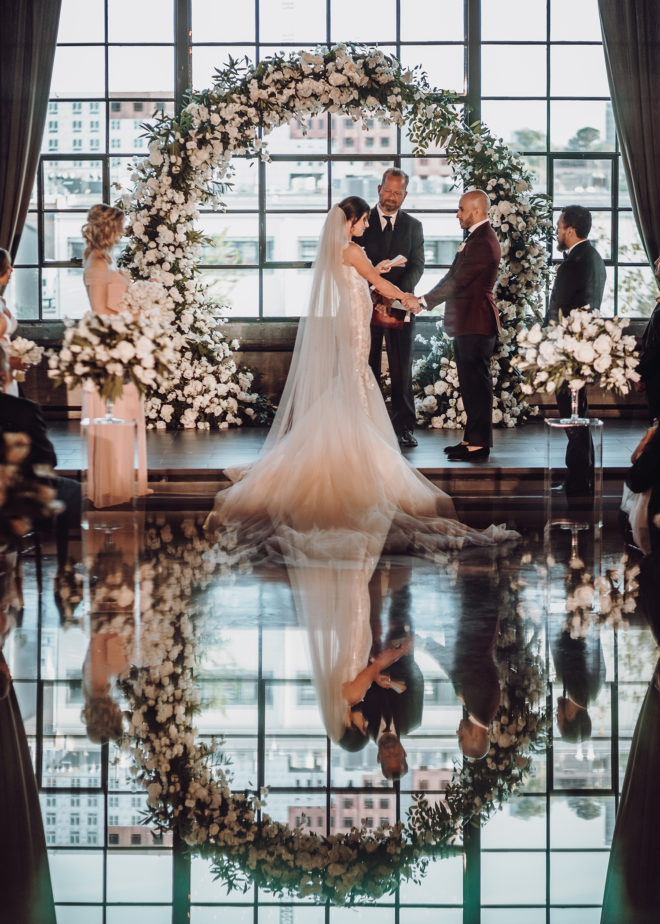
point(191, 463)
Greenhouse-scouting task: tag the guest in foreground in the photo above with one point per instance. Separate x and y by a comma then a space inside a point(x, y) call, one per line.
point(472, 319)
point(105, 286)
point(20, 416)
point(649, 361)
point(390, 233)
point(580, 281)
point(641, 496)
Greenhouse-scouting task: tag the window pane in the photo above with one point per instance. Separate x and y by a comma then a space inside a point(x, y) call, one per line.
point(430, 185)
point(522, 822)
point(289, 139)
point(496, 883)
point(245, 185)
point(368, 21)
point(574, 22)
point(75, 127)
point(281, 21)
point(538, 167)
point(72, 183)
point(234, 239)
point(206, 60)
point(76, 876)
point(237, 289)
point(580, 821)
point(631, 249)
point(210, 22)
point(444, 64)
point(637, 291)
point(300, 185)
point(586, 181)
point(593, 78)
point(127, 120)
point(81, 22)
point(521, 123)
point(419, 20)
point(496, 63)
point(63, 240)
point(28, 249)
point(348, 137)
point(63, 293)
point(581, 126)
point(22, 294)
point(141, 21)
point(578, 878)
point(134, 876)
point(601, 228)
point(139, 70)
point(286, 294)
point(69, 67)
point(501, 20)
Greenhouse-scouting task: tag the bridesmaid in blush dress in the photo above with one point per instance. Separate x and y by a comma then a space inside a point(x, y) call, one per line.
point(105, 286)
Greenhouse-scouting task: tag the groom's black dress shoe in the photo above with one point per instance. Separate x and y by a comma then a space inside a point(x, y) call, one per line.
point(464, 455)
point(449, 449)
point(407, 439)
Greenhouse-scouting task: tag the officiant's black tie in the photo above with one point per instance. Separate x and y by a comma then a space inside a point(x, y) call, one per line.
point(387, 235)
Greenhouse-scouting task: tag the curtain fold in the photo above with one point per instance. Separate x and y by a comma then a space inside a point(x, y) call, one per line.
point(27, 48)
point(631, 42)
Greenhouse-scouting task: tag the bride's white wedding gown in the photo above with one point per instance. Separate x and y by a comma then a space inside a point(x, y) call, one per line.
point(338, 465)
point(331, 488)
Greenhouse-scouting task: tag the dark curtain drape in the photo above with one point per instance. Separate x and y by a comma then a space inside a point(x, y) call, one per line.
point(631, 41)
point(28, 33)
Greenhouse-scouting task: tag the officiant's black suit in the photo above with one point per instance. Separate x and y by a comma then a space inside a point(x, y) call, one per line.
point(580, 281)
point(407, 238)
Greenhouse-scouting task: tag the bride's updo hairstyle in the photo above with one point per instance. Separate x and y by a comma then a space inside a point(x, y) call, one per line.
point(103, 228)
point(354, 208)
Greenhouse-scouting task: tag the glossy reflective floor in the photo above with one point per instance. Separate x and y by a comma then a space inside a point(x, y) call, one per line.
point(548, 637)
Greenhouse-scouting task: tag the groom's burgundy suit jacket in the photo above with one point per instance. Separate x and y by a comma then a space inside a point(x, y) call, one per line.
point(468, 286)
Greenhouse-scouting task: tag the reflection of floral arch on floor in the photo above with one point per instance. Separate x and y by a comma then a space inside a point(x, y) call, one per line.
point(190, 793)
point(190, 160)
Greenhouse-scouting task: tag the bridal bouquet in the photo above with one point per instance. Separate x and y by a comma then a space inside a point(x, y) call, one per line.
point(104, 351)
point(579, 348)
point(27, 353)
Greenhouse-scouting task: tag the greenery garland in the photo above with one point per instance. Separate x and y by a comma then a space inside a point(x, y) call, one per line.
point(189, 786)
point(189, 165)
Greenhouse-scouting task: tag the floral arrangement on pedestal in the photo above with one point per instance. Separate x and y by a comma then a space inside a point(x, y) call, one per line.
point(189, 165)
point(103, 351)
point(607, 599)
point(26, 352)
point(581, 348)
point(189, 786)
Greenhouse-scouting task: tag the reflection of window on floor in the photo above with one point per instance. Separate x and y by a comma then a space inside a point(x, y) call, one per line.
point(51, 801)
point(74, 695)
point(74, 837)
point(369, 822)
point(92, 838)
point(369, 803)
point(157, 837)
point(75, 819)
point(383, 803)
point(348, 803)
point(113, 838)
point(305, 694)
point(92, 820)
point(384, 820)
point(50, 837)
point(348, 822)
point(113, 801)
point(113, 820)
point(50, 818)
point(136, 839)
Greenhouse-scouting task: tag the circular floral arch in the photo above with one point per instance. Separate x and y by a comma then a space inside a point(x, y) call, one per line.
point(190, 161)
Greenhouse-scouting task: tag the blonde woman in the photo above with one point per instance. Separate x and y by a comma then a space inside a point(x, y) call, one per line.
point(105, 286)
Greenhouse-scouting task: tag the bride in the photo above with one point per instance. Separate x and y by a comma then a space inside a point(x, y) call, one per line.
point(331, 460)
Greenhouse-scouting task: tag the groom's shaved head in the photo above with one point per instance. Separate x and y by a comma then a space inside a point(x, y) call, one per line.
point(476, 200)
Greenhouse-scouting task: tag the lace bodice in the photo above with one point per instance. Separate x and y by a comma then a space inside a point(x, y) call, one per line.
point(360, 330)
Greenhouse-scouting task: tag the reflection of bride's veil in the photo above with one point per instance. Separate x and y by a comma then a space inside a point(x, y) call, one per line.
point(329, 572)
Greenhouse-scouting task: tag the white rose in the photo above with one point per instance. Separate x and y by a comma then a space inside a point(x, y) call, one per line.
point(584, 353)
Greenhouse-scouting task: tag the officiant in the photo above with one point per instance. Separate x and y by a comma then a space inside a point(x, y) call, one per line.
point(391, 233)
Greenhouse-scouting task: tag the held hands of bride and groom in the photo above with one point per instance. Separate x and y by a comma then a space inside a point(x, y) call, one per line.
point(355, 256)
point(353, 691)
point(408, 300)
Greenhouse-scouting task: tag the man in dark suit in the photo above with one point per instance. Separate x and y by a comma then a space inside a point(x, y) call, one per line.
point(18, 415)
point(579, 282)
point(392, 232)
point(393, 705)
point(471, 318)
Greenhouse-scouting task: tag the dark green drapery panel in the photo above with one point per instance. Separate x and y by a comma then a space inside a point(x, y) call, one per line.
point(631, 41)
point(27, 48)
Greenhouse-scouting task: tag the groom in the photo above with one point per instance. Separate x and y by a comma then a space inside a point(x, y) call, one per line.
point(471, 318)
point(391, 233)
